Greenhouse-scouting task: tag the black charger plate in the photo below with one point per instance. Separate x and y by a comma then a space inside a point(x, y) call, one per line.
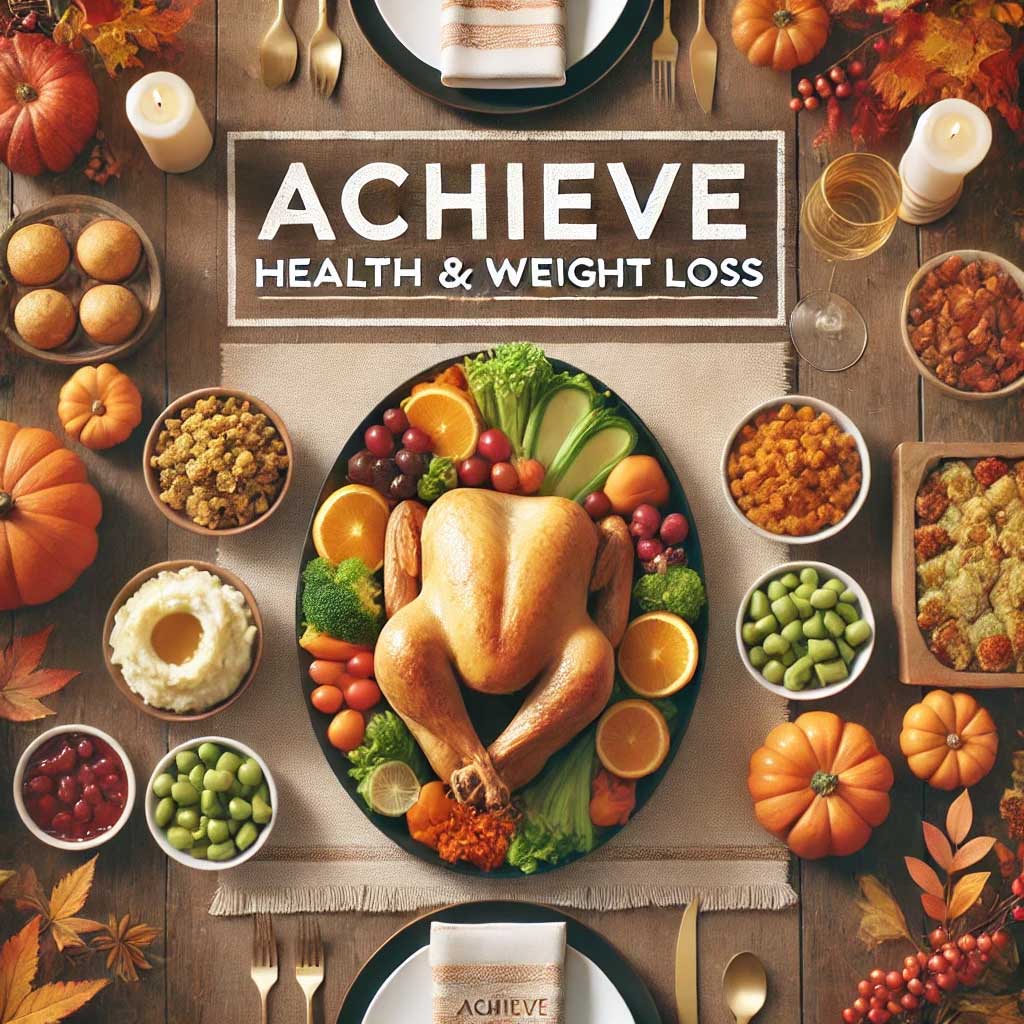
point(416, 935)
point(427, 80)
point(489, 713)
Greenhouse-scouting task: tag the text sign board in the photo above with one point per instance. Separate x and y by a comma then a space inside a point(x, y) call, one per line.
point(478, 228)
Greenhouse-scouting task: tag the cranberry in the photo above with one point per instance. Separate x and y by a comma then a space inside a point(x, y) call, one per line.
point(855, 68)
point(62, 823)
point(65, 761)
point(837, 75)
point(67, 790)
point(40, 784)
point(109, 782)
point(844, 90)
point(92, 793)
point(812, 103)
point(103, 766)
point(46, 808)
point(396, 421)
point(82, 811)
point(85, 749)
point(894, 981)
point(106, 815)
point(805, 87)
point(796, 105)
point(86, 775)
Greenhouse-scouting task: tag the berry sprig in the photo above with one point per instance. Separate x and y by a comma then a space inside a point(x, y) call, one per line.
point(843, 78)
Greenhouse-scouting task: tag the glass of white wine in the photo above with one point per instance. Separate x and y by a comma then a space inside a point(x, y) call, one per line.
point(849, 213)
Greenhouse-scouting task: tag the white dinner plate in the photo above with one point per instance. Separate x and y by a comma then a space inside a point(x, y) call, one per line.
point(417, 25)
point(590, 998)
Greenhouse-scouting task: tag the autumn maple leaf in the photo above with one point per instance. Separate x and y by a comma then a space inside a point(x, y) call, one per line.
point(59, 912)
point(147, 26)
point(22, 682)
point(22, 1004)
point(124, 942)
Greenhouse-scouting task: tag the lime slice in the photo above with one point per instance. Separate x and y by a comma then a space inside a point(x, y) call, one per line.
point(393, 789)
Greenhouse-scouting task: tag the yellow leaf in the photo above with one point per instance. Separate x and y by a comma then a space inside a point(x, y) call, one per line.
point(19, 960)
point(881, 917)
point(66, 899)
point(54, 1002)
point(966, 893)
point(959, 818)
point(6, 876)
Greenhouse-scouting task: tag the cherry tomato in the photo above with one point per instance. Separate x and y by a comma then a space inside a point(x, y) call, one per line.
point(328, 699)
point(504, 477)
point(597, 505)
point(360, 666)
point(362, 694)
point(346, 730)
point(674, 528)
point(417, 440)
point(327, 673)
point(396, 421)
point(531, 475)
point(494, 445)
point(379, 441)
point(474, 471)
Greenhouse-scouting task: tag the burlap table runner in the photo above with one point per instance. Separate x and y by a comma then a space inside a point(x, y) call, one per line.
point(697, 834)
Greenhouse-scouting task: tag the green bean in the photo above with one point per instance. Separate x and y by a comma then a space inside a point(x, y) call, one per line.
point(784, 610)
point(186, 760)
point(164, 811)
point(833, 623)
point(822, 650)
point(846, 652)
point(179, 838)
point(262, 811)
point(823, 598)
point(847, 612)
point(221, 851)
point(750, 634)
point(209, 753)
point(240, 809)
point(196, 776)
point(250, 773)
point(809, 576)
point(804, 607)
point(773, 672)
point(815, 627)
point(793, 632)
point(218, 781)
point(757, 656)
point(184, 794)
point(764, 626)
point(829, 672)
point(188, 818)
point(776, 590)
point(228, 762)
point(217, 831)
point(857, 633)
point(759, 605)
point(790, 581)
point(247, 835)
point(162, 784)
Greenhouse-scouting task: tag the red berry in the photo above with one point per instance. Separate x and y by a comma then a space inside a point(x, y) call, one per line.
point(396, 421)
point(837, 74)
point(893, 1007)
point(648, 548)
point(937, 964)
point(62, 822)
point(879, 1016)
point(850, 1015)
point(92, 794)
point(947, 982)
point(415, 440)
point(379, 441)
point(1017, 887)
point(938, 937)
point(861, 1005)
point(66, 761)
point(82, 811)
point(844, 90)
point(985, 942)
point(880, 45)
point(864, 988)
point(474, 471)
point(967, 943)
point(894, 981)
point(820, 82)
point(855, 68)
point(922, 957)
point(1018, 913)
point(40, 784)
point(796, 104)
point(824, 90)
point(674, 528)
point(861, 87)
point(952, 955)
point(915, 986)
point(494, 445)
point(811, 103)
point(877, 977)
point(909, 1002)
point(1001, 939)
point(85, 749)
point(805, 87)
point(597, 505)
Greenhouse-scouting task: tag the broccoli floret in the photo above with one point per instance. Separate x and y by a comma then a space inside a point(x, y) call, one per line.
point(343, 601)
point(678, 590)
point(440, 476)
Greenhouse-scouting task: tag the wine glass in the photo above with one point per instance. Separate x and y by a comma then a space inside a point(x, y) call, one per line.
point(848, 214)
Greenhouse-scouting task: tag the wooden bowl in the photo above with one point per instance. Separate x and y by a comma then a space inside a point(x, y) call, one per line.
point(968, 256)
point(182, 519)
point(912, 462)
point(133, 585)
point(72, 215)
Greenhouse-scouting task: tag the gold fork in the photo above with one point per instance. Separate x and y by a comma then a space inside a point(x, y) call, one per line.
point(264, 959)
point(664, 55)
point(324, 56)
point(309, 967)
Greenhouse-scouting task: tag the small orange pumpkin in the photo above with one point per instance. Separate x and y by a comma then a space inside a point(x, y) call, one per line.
point(949, 740)
point(99, 406)
point(821, 785)
point(48, 516)
point(780, 34)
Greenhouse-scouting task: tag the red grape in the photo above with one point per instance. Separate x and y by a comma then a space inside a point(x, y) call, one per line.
point(947, 982)
point(494, 445)
point(877, 977)
point(396, 421)
point(504, 477)
point(474, 471)
point(417, 440)
point(403, 486)
point(384, 471)
point(413, 463)
point(850, 1015)
point(360, 467)
point(379, 441)
point(648, 516)
point(648, 548)
point(597, 505)
point(674, 528)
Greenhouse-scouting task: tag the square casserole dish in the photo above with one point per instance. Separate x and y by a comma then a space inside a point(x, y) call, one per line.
point(912, 462)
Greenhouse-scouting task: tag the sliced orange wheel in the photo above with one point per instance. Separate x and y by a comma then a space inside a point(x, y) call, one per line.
point(658, 654)
point(448, 416)
point(351, 524)
point(632, 739)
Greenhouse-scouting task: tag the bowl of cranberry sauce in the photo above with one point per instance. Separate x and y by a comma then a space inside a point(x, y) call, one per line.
point(74, 787)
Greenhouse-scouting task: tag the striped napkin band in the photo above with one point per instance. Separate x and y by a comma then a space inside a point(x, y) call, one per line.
point(483, 974)
point(502, 44)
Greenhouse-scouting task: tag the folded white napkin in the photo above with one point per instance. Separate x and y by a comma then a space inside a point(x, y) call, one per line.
point(505, 972)
point(502, 44)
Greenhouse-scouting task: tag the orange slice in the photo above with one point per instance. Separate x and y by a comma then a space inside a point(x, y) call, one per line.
point(351, 524)
point(448, 416)
point(658, 654)
point(632, 739)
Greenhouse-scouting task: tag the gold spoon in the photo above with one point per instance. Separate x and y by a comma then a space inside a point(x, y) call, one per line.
point(324, 56)
point(279, 51)
point(746, 986)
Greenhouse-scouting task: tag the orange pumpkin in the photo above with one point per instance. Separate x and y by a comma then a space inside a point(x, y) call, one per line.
point(99, 406)
point(780, 34)
point(821, 785)
point(949, 740)
point(48, 516)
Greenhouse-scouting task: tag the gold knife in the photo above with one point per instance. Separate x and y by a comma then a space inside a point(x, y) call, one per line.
point(686, 966)
point(703, 62)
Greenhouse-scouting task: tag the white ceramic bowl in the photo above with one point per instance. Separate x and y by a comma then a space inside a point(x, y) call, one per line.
point(19, 775)
point(845, 424)
point(825, 571)
point(969, 256)
point(184, 857)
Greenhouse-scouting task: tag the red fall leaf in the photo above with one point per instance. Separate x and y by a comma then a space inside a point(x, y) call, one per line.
point(22, 682)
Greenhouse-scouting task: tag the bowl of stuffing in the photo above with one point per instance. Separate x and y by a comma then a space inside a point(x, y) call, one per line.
point(962, 323)
point(218, 461)
point(796, 470)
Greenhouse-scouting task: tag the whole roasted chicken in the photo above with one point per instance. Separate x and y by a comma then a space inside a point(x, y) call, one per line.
point(499, 592)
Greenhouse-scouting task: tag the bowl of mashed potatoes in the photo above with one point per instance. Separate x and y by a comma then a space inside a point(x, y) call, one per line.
point(183, 640)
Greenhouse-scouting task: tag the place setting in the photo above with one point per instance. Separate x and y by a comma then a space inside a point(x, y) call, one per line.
point(554, 560)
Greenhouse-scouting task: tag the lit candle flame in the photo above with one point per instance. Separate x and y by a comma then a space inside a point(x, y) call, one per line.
point(955, 130)
point(159, 100)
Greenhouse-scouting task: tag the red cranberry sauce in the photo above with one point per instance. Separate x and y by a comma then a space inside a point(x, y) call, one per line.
point(75, 787)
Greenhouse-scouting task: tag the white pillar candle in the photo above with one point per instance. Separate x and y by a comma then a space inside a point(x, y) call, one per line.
point(163, 111)
point(951, 139)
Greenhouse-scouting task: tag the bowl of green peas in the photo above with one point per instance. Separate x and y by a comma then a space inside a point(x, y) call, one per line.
point(805, 630)
point(211, 803)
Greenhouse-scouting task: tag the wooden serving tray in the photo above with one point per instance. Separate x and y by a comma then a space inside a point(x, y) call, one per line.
point(72, 214)
point(911, 463)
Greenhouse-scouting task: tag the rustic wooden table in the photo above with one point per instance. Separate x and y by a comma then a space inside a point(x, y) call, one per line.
point(812, 952)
